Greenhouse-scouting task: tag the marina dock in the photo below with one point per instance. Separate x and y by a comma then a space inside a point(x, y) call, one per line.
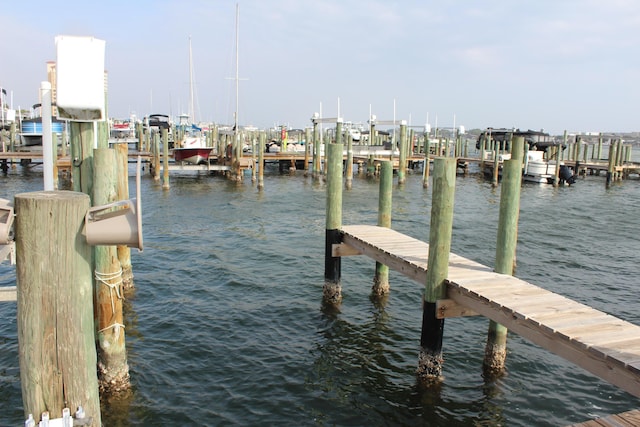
point(602, 344)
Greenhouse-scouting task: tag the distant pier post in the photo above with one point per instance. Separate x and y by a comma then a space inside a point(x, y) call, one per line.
point(332, 290)
point(619, 158)
point(316, 151)
point(254, 160)
point(381, 278)
point(156, 156)
point(12, 142)
point(612, 160)
point(261, 144)
point(165, 158)
point(113, 370)
point(496, 348)
point(441, 225)
point(140, 136)
point(238, 155)
point(599, 153)
point(425, 170)
point(556, 175)
point(402, 161)
point(307, 145)
point(497, 148)
point(349, 178)
point(55, 304)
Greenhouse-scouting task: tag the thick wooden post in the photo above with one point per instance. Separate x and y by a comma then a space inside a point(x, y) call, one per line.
point(381, 278)
point(496, 349)
point(402, 161)
point(441, 225)
point(55, 304)
point(113, 370)
point(124, 252)
point(332, 290)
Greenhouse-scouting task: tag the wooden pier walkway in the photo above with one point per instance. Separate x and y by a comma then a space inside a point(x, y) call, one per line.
point(604, 345)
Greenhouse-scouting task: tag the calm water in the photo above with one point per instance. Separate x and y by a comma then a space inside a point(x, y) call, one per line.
point(226, 324)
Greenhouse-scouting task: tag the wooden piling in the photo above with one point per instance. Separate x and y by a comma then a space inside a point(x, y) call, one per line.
point(496, 348)
point(156, 156)
point(124, 252)
point(316, 151)
point(611, 166)
point(307, 145)
point(441, 225)
point(402, 162)
point(55, 304)
point(332, 290)
point(381, 278)
point(165, 158)
point(496, 164)
point(113, 370)
point(261, 146)
point(81, 136)
point(349, 179)
point(425, 170)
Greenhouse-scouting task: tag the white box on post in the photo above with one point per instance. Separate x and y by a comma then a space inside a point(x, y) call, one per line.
point(80, 92)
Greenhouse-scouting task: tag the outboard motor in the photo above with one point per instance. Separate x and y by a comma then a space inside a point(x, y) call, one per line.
point(566, 175)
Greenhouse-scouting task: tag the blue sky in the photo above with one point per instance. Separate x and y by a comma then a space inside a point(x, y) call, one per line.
point(530, 64)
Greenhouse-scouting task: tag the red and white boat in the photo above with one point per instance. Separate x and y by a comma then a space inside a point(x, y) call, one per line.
point(192, 150)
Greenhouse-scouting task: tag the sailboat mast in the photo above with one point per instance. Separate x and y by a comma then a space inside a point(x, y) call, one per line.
point(237, 63)
point(191, 108)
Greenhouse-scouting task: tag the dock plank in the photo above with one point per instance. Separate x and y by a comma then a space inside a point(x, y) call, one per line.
point(625, 419)
point(603, 344)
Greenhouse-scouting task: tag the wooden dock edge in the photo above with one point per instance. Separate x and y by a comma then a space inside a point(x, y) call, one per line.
point(610, 369)
point(625, 419)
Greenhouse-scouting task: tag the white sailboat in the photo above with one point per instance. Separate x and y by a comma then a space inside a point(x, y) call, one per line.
point(193, 146)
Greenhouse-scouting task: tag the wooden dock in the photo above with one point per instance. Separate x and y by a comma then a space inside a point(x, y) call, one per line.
point(626, 419)
point(604, 345)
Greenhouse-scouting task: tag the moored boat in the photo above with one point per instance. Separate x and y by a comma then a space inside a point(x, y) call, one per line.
point(31, 130)
point(537, 169)
point(192, 150)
